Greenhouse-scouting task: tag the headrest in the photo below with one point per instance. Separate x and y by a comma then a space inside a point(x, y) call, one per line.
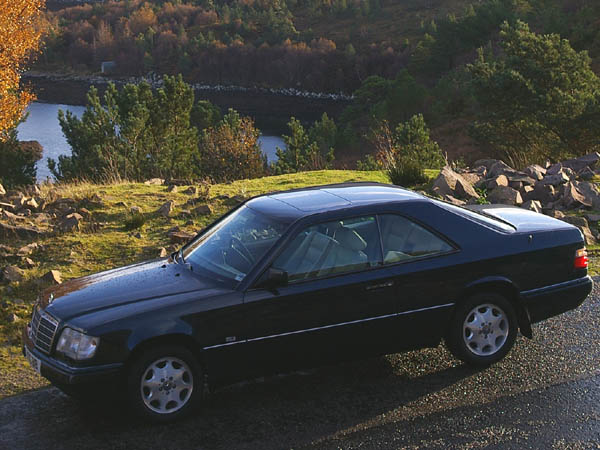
point(350, 239)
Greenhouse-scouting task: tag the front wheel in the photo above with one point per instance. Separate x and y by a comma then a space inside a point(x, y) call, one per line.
point(165, 383)
point(483, 329)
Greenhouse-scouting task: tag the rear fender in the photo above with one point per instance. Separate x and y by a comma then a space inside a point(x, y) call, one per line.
point(506, 287)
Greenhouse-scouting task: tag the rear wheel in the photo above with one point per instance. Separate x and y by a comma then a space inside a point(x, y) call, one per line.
point(483, 329)
point(165, 383)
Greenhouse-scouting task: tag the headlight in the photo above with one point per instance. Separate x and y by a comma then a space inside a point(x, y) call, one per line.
point(77, 345)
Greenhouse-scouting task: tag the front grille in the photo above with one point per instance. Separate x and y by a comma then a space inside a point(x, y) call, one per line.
point(43, 329)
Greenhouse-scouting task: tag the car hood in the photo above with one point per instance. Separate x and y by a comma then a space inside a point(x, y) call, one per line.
point(125, 285)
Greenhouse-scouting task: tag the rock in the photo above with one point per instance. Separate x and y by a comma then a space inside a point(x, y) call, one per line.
point(571, 198)
point(525, 191)
point(42, 218)
point(71, 222)
point(5, 251)
point(446, 184)
point(6, 206)
point(518, 185)
point(578, 164)
point(163, 253)
point(2, 190)
point(589, 191)
point(28, 249)
point(545, 193)
point(535, 171)
point(465, 190)
point(166, 209)
point(554, 169)
point(532, 205)
point(493, 183)
point(85, 213)
point(184, 213)
point(454, 200)
point(52, 277)
point(10, 216)
point(28, 263)
point(10, 231)
point(582, 224)
point(25, 212)
point(586, 174)
point(555, 213)
point(12, 274)
point(499, 168)
point(192, 190)
point(555, 179)
point(505, 195)
point(32, 203)
point(180, 237)
point(137, 235)
point(487, 163)
point(155, 181)
point(12, 317)
point(135, 210)
point(172, 188)
point(121, 204)
point(202, 210)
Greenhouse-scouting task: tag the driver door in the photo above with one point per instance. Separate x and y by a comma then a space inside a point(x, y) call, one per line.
point(338, 303)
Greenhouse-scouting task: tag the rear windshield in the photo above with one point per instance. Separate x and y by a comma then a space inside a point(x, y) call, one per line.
point(477, 216)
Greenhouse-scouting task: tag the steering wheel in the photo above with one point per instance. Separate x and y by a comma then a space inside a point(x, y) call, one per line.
point(239, 246)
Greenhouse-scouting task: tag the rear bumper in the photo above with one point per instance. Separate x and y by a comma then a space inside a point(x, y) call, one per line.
point(61, 373)
point(555, 299)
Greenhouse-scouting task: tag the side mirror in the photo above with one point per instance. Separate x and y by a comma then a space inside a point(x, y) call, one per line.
point(273, 278)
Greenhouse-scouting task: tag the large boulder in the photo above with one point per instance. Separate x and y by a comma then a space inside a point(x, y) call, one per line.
point(555, 179)
point(166, 209)
point(532, 205)
point(505, 195)
point(154, 182)
point(11, 231)
point(71, 222)
point(499, 168)
point(202, 210)
point(535, 171)
point(572, 198)
point(495, 182)
point(450, 183)
point(52, 277)
point(590, 193)
point(578, 164)
point(12, 274)
point(582, 224)
point(487, 163)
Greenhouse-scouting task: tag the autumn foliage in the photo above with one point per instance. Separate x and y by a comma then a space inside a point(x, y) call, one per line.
point(20, 33)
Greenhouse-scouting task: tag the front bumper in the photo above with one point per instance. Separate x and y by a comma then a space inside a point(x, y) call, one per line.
point(61, 373)
point(556, 299)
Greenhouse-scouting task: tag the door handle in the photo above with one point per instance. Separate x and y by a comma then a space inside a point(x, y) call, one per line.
point(380, 285)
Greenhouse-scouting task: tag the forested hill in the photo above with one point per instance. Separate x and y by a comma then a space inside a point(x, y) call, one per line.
point(315, 45)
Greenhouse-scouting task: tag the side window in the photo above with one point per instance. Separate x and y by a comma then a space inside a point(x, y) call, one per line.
point(331, 248)
point(403, 239)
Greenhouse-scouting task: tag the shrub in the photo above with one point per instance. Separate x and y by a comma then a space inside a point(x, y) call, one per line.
point(407, 151)
point(304, 150)
point(230, 151)
point(17, 161)
point(134, 221)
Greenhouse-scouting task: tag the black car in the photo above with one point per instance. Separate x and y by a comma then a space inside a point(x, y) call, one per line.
point(306, 277)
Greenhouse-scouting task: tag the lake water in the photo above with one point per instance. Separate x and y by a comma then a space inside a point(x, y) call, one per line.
point(42, 126)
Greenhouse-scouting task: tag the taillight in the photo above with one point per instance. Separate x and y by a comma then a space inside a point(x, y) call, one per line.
point(581, 259)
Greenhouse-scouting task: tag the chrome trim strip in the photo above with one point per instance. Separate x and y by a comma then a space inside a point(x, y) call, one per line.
point(288, 333)
point(564, 284)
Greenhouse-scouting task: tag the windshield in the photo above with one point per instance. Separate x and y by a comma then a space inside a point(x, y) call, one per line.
point(231, 247)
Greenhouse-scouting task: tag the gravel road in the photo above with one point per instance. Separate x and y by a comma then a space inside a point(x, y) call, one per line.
point(545, 394)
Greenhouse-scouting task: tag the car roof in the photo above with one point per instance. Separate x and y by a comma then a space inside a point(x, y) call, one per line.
point(296, 203)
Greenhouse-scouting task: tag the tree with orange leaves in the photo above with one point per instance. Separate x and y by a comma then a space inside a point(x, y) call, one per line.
point(20, 32)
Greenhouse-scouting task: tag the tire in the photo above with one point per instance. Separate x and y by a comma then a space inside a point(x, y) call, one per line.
point(164, 383)
point(483, 329)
